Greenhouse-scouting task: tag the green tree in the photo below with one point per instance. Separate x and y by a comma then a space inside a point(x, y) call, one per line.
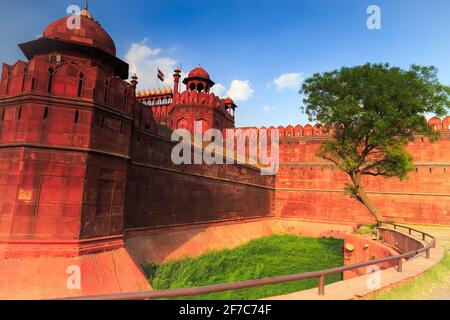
point(371, 112)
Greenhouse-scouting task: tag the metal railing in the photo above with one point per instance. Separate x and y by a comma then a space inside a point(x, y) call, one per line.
point(321, 275)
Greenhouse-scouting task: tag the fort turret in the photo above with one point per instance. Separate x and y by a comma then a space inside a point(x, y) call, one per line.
point(67, 115)
point(180, 110)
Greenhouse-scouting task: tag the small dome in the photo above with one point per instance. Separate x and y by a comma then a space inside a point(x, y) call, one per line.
point(90, 33)
point(199, 72)
point(229, 103)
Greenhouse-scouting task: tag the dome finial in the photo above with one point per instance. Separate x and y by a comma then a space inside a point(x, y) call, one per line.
point(85, 12)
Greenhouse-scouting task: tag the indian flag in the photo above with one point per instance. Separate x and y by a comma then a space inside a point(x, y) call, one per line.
point(161, 75)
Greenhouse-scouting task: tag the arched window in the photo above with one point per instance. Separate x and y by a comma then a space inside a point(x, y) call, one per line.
point(50, 80)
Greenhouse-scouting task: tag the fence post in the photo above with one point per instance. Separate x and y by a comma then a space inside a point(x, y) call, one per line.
point(322, 285)
point(428, 253)
point(400, 265)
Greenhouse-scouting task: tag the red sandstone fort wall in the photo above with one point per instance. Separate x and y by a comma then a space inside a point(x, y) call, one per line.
point(309, 188)
point(64, 143)
point(43, 206)
point(160, 193)
point(80, 158)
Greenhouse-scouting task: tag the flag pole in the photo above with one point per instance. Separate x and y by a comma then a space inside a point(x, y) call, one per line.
point(181, 70)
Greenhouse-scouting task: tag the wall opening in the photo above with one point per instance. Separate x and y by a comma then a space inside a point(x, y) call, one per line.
point(8, 82)
point(45, 113)
point(50, 80)
point(23, 79)
point(125, 99)
point(80, 85)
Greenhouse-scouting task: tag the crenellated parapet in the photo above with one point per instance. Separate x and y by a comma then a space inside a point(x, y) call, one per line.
point(436, 123)
point(289, 131)
point(209, 100)
point(51, 75)
point(155, 97)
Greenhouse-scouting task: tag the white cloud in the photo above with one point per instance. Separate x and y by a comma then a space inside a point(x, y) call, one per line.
point(240, 90)
point(288, 81)
point(144, 61)
point(219, 90)
point(268, 109)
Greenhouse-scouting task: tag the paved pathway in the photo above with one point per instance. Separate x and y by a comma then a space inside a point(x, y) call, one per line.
point(442, 234)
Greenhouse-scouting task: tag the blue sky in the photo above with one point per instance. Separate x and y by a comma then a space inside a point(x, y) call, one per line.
point(251, 42)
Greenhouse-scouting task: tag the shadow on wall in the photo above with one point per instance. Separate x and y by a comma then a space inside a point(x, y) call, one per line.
point(167, 244)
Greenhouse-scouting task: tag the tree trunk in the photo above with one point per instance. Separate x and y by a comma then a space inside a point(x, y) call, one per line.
point(369, 204)
point(364, 199)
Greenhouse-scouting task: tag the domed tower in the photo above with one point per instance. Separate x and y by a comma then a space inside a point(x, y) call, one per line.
point(65, 130)
point(198, 80)
point(90, 41)
point(198, 104)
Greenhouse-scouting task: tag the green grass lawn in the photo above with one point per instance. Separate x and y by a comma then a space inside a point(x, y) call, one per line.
point(433, 284)
point(261, 258)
